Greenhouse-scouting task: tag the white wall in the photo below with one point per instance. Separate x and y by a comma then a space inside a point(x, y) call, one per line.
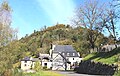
point(74, 59)
point(58, 59)
point(49, 64)
point(28, 65)
point(54, 55)
point(57, 63)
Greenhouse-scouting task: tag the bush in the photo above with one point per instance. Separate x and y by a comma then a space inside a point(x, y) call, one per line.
point(17, 72)
point(45, 67)
point(12, 72)
point(117, 73)
point(37, 66)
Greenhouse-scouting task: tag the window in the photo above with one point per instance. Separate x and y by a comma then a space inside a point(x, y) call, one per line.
point(73, 58)
point(73, 54)
point(63, 53)
point(67, 54)
point(25, 65)
point(45, 64)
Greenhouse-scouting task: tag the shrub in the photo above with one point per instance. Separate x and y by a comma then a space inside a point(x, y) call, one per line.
point(37, 66)
point(45, 67)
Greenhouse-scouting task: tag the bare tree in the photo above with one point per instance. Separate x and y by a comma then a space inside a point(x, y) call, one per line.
point(110, 22)
point(116, 3)
point(89, 16)
point(7, 33)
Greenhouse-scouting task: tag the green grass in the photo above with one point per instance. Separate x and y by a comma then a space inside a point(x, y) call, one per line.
point(105, 57)
point(117, 73)
point(43, 73)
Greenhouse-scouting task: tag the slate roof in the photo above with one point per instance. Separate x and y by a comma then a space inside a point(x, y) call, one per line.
point(26, 59)
point(29, 59)
point(65, 49)
point(42, 56)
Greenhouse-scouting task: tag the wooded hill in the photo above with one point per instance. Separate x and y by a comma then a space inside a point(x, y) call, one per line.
point(60, 34)
point(40, 42)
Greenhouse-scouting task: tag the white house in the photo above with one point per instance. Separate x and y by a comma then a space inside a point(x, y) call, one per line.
point(28, 63)
point(64, 57)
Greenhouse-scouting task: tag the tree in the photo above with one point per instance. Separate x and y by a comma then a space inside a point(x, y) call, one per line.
point(110, 19)
point(60, 33)
point(116, 3)
point(89, 16)
point(7, 34)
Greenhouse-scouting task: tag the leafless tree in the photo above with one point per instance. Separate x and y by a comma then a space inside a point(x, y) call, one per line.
point(110, 21)
point(7, 33)
point(89, 15)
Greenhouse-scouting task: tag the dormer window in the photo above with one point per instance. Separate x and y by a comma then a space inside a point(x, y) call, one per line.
point(68, 54)
point(73, 54)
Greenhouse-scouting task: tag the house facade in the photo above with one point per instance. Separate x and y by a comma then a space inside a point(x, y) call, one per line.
point(64, 57)
point(45, 61)
point(27, 63)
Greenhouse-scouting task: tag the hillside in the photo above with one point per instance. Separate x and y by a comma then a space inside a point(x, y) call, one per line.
point(40, 42)
point(60, 34)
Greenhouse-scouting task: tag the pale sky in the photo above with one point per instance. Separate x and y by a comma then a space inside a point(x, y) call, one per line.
point(30, 15)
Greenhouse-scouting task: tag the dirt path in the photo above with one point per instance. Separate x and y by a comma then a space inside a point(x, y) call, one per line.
point(71, 73)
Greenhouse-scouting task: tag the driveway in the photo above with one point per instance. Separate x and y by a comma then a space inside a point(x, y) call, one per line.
point(71, 73)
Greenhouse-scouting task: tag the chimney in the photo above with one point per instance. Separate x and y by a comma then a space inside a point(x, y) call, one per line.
point(50, 46)
point(78, 54)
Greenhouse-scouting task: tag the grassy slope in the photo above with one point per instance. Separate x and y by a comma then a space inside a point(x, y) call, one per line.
point(43, 73)
point(105, 57)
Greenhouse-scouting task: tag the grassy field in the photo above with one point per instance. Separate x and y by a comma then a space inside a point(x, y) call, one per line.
point(43, 73)
point(105, 57)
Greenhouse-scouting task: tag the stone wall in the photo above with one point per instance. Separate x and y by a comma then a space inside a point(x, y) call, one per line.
point(90, 67)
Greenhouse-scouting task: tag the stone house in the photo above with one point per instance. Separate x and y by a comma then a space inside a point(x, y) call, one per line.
point(64, 57)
